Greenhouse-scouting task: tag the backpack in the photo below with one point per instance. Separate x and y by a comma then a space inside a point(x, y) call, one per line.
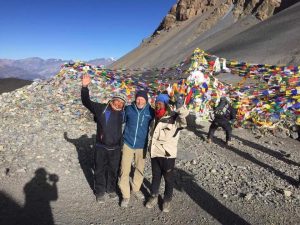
point(221, 111)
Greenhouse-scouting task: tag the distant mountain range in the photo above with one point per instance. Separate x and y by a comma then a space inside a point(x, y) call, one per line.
point(37, 68)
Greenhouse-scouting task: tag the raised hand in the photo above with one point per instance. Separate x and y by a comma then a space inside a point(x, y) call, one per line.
point(86, 80)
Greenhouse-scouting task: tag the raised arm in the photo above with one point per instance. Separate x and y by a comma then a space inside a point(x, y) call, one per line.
point(85, 96)
point(182, 112)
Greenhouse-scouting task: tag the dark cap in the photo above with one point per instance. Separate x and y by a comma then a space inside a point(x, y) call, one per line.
point(142, 93)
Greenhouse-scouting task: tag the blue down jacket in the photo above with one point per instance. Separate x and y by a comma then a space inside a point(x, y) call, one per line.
point(137, 123)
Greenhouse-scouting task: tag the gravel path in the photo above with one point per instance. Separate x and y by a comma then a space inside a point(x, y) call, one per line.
point(252, 182)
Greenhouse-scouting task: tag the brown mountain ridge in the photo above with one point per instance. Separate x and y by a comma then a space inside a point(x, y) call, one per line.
point(245, 30)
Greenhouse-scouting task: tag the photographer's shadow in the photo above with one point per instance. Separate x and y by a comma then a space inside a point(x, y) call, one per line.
point(85, 151)
point(39, 191)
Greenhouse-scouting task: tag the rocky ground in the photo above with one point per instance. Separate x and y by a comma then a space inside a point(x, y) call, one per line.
point(45, 132)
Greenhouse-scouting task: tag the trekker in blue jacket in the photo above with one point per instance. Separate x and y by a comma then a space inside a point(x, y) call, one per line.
point(138, 117)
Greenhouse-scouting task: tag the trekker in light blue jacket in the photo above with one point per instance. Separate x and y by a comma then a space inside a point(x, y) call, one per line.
point(138, 117)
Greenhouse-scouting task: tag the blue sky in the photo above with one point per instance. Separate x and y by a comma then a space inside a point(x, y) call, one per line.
point(77, 29)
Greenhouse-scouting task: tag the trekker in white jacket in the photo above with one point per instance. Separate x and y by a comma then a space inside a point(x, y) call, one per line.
point(164, 135)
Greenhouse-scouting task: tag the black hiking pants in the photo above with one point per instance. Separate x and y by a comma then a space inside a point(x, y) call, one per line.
point(107, 163)
point(163, 167)
point(220, 123)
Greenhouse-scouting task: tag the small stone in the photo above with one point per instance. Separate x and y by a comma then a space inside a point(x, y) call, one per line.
point(82, 127)
point(241, 167)
point(225, 196)
point(194, 162)
point(1, 148)
point(287, 193)
point(213, 171)
point(268, 193)
point(294, 135)
point(248, 196)
point(22, 170)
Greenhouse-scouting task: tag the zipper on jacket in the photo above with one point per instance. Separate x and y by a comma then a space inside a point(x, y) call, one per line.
point(137, 125)
point(143, 118)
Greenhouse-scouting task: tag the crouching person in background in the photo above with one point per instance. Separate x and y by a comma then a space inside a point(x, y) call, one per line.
point(224, 116)
point(164, 135)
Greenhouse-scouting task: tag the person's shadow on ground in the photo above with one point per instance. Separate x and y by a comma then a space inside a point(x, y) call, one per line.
point(39, 191)
point(276, 154)
point(85, 151)
point(185, 182)
point(200, 133)
point(10, 210)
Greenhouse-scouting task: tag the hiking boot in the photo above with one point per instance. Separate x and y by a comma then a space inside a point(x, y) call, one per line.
point(112, 195)
point(138, 195)
point(151, 202)
point(166, 206)
point(125, 202)
point(100, 198)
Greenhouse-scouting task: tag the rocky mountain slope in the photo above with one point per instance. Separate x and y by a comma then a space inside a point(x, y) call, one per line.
point(273, 41)
point(210, 24)
point(187, 9)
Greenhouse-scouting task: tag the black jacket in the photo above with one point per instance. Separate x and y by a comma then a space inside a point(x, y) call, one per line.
point(109, 122)
point(230, 114)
